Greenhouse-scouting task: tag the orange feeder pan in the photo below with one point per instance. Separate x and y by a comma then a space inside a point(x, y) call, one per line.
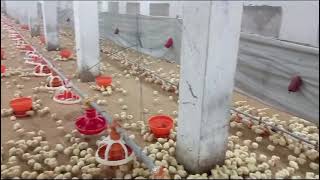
point(161, 125)
point(103, 81)
point(21, 105)
point(65, 53)
point(3, 69)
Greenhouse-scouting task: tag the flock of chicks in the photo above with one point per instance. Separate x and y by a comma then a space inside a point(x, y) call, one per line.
point(242, 160)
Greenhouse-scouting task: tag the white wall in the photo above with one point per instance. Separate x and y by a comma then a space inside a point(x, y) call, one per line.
point(175, 7)
point(300, 20)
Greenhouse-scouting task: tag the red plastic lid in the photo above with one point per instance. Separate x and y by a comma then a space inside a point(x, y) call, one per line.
point(103, 81)
point(91, 123)
point(161, 125)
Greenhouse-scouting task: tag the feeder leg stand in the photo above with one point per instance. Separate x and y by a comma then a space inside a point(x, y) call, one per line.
point(50, 23)
point(211, 31)
point(33, 19)
point(87, 39)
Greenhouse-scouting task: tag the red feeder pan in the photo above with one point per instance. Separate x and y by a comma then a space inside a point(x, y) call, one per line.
point(21, 105)
point(42, 70)
point(103, 81)
point(35, 60)
point(112, 151)
point(3, 69)
point(65, 53)
point(91, 123)
point(24, 27)
point(25, 48)
point(54, 81)
point(161, 125)
point(66, 96)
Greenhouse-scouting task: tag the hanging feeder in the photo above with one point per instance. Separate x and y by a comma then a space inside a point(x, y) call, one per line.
point(295, 84)
point(42, 70)
point(54, 81)
point(91, 123)
point(161, 125)
point(24, 27)
point(112, 150)
point(20, 106)
point(35, 60)
point(42, 39)
point(2, 54)
point(103, 81)
point(65, 53)
point(169, 43)
point(65, 96)
point(15, 36)
point(3, 69)
point(25, 48)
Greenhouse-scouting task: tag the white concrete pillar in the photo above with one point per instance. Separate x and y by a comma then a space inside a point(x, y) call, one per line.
point(34, 21)
point(50, 24)
point(87, 38)
point(211, 31)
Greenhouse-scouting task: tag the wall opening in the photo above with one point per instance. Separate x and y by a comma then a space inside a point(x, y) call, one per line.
point(113, 7)
point(262, 20)
point(159, 9)
point(133, 8)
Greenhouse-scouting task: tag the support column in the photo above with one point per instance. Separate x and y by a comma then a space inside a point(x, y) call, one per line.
point(87, 39)
point(211, 31)
point(50, 23)
point(34, 22)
